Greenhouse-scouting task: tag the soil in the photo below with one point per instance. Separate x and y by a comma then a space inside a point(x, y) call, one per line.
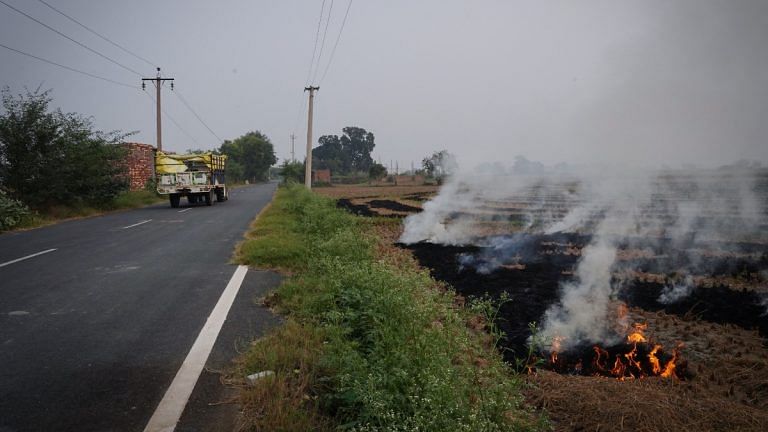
point(393, 205)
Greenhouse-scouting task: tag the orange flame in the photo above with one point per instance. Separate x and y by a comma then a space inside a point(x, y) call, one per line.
point(655, 360)
point(669, 369)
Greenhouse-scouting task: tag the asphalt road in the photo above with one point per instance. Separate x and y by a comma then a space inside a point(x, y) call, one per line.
point(92, 333)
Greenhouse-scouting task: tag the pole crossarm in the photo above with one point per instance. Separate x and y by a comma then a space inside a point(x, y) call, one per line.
point(158, 80)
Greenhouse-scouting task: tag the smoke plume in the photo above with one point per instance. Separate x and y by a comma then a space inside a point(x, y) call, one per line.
point(674, 214)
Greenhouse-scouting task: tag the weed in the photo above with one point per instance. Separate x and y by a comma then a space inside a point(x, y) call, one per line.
point(370, 346)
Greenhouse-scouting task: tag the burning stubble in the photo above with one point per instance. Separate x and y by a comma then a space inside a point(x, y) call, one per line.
point(674, 214)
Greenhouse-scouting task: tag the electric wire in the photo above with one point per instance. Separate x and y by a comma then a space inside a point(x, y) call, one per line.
point(314, 50)
point(69, 38)
point(181, 98)
point(67, 67)
point(153, 64)
point(322, 44)
point(184, 131)
point(330, 58)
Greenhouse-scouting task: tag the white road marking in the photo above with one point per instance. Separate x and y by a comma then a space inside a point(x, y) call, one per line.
point(26, 257)
point(168, 412)
point(186, 209)
point(137, 224)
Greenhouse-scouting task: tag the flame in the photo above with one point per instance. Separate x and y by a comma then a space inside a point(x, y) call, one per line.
point(557, 342)
point(637, 335)
point(631, 364)
point(601, 357)
point(655, 360)
point(669, 369)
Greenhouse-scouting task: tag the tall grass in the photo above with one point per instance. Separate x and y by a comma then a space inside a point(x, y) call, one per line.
point(387, 350)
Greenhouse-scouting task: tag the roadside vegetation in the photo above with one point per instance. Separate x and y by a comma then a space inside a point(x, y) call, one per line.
point(370, 341)
point(55, 165)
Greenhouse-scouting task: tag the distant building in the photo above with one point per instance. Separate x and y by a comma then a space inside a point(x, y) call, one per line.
point(140, 163)
point(321, 176)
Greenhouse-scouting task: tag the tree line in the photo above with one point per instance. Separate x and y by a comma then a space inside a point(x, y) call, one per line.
point(52, 159)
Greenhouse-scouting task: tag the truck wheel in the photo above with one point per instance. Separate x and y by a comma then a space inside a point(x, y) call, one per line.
point(175, 199)
point(220, 195)
point(208, 198)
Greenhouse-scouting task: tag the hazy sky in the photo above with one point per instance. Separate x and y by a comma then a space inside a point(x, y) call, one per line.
point(648, 82)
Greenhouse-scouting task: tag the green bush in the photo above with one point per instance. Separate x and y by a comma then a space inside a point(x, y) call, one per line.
point(12, 212)
point(49, 158)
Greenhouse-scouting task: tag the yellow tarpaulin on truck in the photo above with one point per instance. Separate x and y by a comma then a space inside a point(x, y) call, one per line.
point(166, 163)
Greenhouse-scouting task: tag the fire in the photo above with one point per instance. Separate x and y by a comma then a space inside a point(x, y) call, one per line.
point(635, 358)
point(655, 360)
point(637, 335)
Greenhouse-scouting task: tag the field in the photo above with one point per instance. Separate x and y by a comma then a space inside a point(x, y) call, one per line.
point(702, 300)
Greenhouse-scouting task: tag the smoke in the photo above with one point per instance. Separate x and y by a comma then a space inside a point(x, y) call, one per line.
point(676, 292)
point(580, 314)
point(498, 251)
point(674, 213)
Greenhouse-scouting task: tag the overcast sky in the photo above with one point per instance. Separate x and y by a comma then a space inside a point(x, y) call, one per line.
point(648, 82)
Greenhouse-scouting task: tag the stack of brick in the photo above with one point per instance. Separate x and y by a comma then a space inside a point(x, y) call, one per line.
point(140, 164)
point(321, 176)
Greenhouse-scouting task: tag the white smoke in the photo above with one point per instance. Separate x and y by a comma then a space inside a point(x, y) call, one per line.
point(581, 313)
point(684, 208)
point(673, 293)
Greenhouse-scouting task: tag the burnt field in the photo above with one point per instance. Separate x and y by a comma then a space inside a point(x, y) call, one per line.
point(532, 279)
point(704, 350)
point(677, 286)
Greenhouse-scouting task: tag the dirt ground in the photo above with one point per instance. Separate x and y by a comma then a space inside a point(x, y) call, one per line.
point(724, 352)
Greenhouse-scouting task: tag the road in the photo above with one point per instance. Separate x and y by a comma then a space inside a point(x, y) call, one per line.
point(94, 328)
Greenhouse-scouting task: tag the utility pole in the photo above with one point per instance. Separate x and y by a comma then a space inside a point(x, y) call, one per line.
point(293, 140)
point(158, 82)
point(308, 167)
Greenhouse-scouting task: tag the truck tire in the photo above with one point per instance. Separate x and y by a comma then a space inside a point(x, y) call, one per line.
point(208, 198)
point(175, 199)
point(220, 195)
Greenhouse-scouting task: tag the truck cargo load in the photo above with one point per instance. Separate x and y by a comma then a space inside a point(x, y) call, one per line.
point(199, 177)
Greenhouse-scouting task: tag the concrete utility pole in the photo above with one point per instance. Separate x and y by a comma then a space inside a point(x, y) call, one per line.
point(293, 140)
point(308, 167)
point(158, 82)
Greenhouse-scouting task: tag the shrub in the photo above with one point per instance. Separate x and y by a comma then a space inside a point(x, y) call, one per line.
point(12, 212)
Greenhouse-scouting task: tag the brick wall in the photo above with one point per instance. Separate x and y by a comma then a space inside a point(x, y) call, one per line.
point(321, 176)
point(140, 162)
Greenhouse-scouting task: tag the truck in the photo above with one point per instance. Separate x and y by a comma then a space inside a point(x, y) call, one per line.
point(198, 177)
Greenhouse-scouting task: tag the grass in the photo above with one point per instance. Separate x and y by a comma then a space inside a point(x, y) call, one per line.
point(124, 201)
point(368, 344)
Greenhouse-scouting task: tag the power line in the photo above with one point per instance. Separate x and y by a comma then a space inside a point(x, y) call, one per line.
point(99, 35)
point(314, 50)
point(165, 113)
point(322, 45)
point(67, 37)
point(181, 98)
point(67, 67)
point(330, 59)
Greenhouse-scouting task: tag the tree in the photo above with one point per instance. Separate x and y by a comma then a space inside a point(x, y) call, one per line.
point(350, 153)
point(52, 158)
point(439, 165)
point(377, 171)
point(250, 157)
point(330, 155)
point(292, 172)
point(357, 144)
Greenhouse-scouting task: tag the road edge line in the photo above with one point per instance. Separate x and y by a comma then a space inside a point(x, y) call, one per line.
point(26, 257)
point(168, 412)
point(137, 224)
